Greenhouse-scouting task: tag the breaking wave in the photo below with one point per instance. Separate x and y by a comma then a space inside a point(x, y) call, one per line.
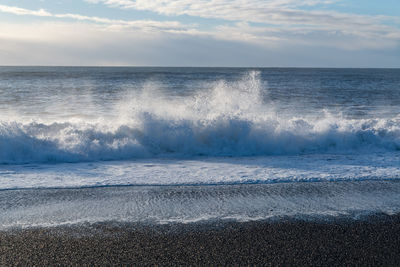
point(231, 119)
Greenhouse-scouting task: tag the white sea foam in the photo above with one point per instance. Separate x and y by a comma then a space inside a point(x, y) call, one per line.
point(210, 171)
point(231, 119)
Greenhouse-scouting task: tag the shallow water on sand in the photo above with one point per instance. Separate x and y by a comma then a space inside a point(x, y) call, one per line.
point(185, 204)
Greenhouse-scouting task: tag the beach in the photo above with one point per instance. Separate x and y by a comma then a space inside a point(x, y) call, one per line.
point(320, 223)
point(199, 166)
point(200, 133)
point(374, 240)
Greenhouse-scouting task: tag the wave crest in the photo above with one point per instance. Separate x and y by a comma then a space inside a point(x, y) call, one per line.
point(231, 119)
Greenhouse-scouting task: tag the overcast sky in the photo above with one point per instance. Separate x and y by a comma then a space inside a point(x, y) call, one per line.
point(264, 33)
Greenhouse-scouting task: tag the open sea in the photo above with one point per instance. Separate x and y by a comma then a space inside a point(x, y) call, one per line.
point(161, 145)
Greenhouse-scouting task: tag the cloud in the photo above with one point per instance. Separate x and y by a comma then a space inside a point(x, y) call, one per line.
point(22, 11)
point(277, 15)
point(273, 12)
point(278, 21)
point(62, 43)
point(113, 24)
point(87, 44)
point(287, 36)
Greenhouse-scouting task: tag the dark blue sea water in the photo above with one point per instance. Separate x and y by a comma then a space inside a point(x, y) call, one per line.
point(80, 127)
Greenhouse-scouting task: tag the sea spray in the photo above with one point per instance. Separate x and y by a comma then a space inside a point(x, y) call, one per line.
point(231, 118)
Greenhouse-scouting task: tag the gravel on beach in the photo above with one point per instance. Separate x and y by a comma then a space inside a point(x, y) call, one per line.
point(370, 241)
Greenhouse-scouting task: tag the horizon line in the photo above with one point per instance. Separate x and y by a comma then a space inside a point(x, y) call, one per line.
point(160, 66)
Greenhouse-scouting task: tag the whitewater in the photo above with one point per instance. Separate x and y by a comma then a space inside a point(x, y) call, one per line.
point(230, 119)
point(203, 130)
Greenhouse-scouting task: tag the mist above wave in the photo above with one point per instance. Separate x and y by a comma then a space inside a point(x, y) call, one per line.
point(231, 119)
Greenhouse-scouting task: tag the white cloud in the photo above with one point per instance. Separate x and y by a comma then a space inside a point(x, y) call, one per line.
point(279, 21)
point(276, 12)
point(286, 36)
point(283, 15)
point(79, 43)
point(115, 24)
point(22, 11)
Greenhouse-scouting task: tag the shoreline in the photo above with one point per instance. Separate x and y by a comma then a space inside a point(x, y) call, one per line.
point(371, 240)
point(187, 204)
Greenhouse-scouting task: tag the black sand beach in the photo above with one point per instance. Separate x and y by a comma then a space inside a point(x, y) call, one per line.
point(370, 241)
point(162, 165)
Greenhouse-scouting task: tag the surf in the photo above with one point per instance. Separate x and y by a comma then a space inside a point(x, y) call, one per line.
point(230, 119)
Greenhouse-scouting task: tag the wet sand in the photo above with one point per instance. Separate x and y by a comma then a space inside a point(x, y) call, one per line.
point(373, 240)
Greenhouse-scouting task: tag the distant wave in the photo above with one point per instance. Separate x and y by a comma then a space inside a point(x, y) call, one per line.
point(229, 120)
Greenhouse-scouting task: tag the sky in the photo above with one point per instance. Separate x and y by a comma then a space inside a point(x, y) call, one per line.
point(231, 33)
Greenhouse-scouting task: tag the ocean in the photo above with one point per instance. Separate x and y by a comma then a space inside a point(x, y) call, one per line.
point(160, 145)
